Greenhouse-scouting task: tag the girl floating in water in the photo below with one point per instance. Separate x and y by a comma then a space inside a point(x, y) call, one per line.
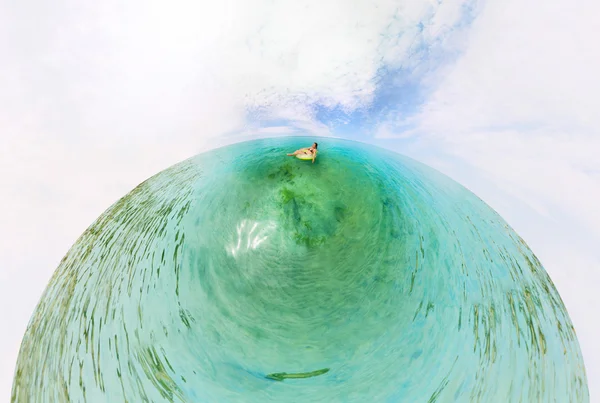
point(310, 151)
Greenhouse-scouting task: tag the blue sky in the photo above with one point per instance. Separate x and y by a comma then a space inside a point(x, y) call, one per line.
point(499, 95)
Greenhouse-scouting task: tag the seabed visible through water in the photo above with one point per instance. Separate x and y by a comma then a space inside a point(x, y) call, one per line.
point(243, 275)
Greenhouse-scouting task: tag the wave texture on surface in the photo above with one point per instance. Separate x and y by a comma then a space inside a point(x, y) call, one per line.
point(245, 275)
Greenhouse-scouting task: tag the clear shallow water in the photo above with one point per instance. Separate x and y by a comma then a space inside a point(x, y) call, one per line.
point(388, 279)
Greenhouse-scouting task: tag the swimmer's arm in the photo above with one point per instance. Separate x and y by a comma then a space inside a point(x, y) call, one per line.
point(314, 156)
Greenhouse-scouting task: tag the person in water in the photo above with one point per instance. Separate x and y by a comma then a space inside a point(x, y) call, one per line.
point(312, 151)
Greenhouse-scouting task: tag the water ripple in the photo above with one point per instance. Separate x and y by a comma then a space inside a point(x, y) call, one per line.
point(243, 275)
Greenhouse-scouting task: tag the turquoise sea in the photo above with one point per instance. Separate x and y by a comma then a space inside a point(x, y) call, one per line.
point(244, 275)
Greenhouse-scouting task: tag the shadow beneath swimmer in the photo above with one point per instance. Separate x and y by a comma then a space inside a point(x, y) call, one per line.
point(280, 376)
